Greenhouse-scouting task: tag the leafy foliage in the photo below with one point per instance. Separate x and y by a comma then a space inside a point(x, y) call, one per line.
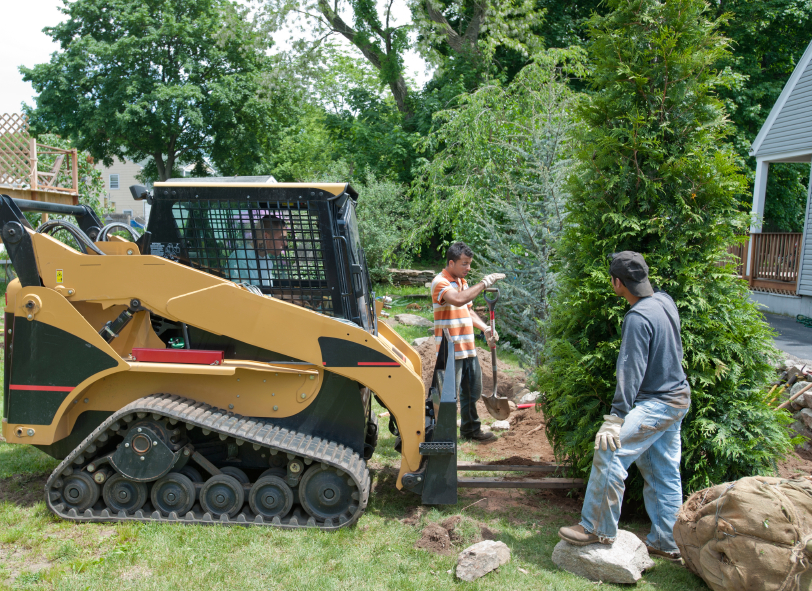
point(160, 78)
point(654, 175)
point(497, 183)
point(768, 39)
point(382, 217)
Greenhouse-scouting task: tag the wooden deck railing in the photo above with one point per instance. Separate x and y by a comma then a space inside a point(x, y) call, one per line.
point(775, 263)
point(37, 169)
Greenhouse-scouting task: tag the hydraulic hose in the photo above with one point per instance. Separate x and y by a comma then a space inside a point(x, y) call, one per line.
point(103, 234)
point(84, 242)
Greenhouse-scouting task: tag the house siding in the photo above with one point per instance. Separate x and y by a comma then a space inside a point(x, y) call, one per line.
point(792, 129)
point(121, 197)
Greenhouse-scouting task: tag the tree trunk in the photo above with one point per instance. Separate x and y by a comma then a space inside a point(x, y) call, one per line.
point(374, 55)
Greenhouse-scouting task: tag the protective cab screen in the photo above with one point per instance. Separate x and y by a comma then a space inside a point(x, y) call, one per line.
point(275, 247)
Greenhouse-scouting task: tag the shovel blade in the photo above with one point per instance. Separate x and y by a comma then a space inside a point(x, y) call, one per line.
point(499, 408)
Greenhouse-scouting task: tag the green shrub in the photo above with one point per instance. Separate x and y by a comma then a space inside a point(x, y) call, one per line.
point(654, 175)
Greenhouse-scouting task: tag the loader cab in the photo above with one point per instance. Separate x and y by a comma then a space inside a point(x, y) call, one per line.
point(296, 242)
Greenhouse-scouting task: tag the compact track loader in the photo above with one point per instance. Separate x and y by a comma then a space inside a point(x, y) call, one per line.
point(218, 368)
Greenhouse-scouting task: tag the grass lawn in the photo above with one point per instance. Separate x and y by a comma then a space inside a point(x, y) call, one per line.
point(38, 551)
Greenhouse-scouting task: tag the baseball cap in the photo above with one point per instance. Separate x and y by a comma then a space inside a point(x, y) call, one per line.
point(632, 270)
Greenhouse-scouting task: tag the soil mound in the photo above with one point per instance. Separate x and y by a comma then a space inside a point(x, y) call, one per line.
point(435, 539)
point(526, 442)
point(508, 376)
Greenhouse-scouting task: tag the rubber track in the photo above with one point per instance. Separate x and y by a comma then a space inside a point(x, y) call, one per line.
point(250, 430)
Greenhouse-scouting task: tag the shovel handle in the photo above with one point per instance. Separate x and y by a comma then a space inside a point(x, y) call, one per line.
point(491, 305)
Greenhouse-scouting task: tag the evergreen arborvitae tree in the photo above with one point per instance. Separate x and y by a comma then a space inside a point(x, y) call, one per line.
point(654, 175)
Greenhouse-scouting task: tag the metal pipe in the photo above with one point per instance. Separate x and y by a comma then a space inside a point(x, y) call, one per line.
point(42, 206)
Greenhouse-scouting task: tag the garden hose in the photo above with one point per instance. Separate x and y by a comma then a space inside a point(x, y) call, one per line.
point(805, 320)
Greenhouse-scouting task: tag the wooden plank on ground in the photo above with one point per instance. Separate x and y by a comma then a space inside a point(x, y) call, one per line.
point(474, 467)
point(486, 482)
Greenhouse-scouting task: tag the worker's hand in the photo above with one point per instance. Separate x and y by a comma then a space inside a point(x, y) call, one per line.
point(609, 434)
point(489, 280)
point(491, 338)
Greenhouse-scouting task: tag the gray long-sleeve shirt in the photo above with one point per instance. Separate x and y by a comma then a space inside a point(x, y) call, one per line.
point(649, 365)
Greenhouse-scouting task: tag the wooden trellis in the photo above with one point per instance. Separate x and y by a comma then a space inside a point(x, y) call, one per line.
point(32, 170)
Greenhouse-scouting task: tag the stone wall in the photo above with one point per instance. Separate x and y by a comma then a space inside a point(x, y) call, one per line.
point(412, 277)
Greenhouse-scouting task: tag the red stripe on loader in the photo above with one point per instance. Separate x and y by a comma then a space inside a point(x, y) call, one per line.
point(42, 388)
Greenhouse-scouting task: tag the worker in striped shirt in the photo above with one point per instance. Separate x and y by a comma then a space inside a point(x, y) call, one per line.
point(452, 297)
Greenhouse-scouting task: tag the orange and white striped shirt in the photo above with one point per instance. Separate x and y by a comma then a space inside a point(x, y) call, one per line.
point(456, 319)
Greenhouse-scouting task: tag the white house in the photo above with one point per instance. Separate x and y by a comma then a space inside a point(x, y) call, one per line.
point(117, 181)
point(786, 136)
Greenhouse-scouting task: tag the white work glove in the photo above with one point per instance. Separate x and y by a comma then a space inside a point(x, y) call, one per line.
point(609, 434)
point(491, 338)
point(489, 280)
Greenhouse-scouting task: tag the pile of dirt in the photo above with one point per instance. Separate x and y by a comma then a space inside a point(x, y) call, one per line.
point(526, 442)
point(508, 375)
point(796, 463)
point(439, 537)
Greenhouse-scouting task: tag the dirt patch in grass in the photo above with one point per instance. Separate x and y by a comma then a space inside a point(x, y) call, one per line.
point(435, 538)
point(23, 490)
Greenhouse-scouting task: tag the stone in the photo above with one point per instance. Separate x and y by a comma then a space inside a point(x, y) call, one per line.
point(414, 320)
point(623, 562)
point(517, 388)
point(523, 392)
point(500, 426)
point(806, 417)
point(419, 341)
point(797, 387)
point(478, 560)
point(529, 398)
point(807, 396)
point(483, 428)
point(512, 406)
point(799, 428)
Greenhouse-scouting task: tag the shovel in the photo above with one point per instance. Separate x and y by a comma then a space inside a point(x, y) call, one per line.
point(498, 407)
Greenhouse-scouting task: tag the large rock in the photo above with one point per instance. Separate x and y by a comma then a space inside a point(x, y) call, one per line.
point(414, 320)
point(622, 562)
point(529, 398)
point(478, 560)
point(806, 416)
point(500, 426)
point(419, 341)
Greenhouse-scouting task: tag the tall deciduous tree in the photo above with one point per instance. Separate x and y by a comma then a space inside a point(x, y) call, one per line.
point(170, 79)
point(655, 175)
point(768, 38)
point(472, 29)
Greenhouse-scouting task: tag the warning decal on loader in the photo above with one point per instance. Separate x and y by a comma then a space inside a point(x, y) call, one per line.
point(59, 275)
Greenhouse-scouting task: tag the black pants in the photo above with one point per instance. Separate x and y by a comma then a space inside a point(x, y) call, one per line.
point(468, 376)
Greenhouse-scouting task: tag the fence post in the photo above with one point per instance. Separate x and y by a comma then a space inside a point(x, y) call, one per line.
point(75, 173)
point(32, 157)
point(754, 254)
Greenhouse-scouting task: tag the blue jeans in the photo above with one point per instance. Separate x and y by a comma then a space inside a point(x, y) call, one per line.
point(650, 437)
point(468, 375)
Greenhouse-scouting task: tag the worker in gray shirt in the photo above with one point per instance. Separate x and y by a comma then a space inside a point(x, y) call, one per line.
point(651, 398)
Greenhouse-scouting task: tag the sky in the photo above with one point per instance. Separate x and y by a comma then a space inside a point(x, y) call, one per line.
point(24, 43)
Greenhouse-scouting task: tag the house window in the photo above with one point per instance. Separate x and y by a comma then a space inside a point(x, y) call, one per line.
point(128, 212)
point(113, 181)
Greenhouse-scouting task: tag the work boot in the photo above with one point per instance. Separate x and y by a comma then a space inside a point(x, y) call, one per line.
point(672, 556)
point(480, 436)
point(578, 536)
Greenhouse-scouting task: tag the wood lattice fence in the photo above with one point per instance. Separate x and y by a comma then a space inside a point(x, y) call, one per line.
point(26, 164)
